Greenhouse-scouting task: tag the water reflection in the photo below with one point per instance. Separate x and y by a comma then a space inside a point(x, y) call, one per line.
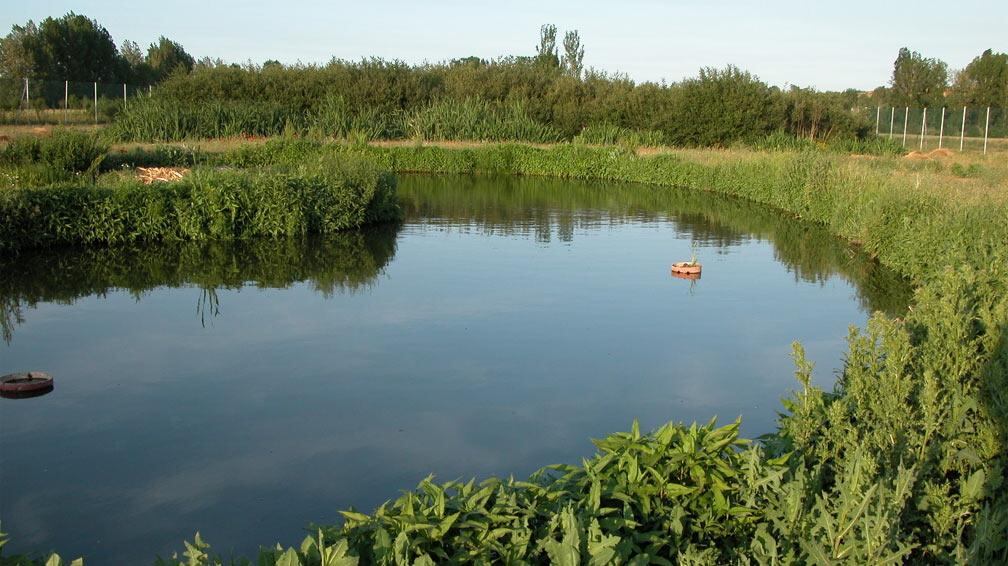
point(553, 209)
point(339, 263)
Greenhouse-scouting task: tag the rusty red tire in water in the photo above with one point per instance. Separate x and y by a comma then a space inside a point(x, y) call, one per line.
point(689, 276)
point(686, 268)
point(26, 383)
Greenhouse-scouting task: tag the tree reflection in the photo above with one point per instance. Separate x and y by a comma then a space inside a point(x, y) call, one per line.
point(339, 263)
point(548, 209)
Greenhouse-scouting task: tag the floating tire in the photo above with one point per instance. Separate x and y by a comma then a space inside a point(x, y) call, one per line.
point(23, 385)
point(686, 268)
point(687, 276)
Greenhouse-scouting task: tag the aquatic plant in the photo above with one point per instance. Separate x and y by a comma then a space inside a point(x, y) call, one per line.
point(206, 204)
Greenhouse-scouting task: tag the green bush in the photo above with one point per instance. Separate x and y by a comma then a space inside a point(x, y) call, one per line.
point(62, 150)
point(207, 204)
point(719, 107)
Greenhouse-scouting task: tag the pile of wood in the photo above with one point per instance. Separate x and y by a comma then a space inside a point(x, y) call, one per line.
point(148, 175)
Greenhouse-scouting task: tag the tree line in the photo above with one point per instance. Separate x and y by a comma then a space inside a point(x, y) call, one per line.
point(77, 48)
point(919, 81)
point(552, 86)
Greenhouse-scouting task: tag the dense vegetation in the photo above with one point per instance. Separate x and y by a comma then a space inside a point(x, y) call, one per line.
point(74, 47)
point(517, 99)
point(319, 197)
point(902, 462)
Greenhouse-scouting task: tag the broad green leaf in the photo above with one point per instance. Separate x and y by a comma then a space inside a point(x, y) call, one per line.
point(289, 558)
point(972, 489)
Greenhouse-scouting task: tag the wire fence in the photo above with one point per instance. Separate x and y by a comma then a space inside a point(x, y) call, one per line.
point(46, 102)
point(962, 128)
point(38, 102)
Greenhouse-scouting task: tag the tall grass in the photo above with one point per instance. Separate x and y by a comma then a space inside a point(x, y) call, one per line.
point(609, 134)
point(162, 120)
point(478, 120)
point(207, 204)
point(335, 118)
point(62, 150)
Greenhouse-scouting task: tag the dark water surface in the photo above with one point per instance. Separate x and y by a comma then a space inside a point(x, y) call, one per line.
point(245, 390)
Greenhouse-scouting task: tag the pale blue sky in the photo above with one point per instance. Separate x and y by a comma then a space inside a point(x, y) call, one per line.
point(826, 45)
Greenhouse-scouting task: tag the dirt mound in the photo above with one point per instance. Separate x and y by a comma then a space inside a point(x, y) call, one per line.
point(148, 175)
point(933, 154)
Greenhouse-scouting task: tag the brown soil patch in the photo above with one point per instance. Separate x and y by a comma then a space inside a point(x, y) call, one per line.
point(933, 154)
point(148, 175)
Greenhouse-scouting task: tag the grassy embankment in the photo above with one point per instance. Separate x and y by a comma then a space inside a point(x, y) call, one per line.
point(902, 462)
point(52, 192)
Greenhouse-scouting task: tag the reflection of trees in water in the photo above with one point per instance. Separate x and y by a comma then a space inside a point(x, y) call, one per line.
point(337, 263)
point(546, 208)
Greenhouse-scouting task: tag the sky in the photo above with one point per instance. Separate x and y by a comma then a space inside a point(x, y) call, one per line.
point(828, 46)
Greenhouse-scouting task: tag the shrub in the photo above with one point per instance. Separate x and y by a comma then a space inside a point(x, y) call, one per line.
point(207, 204)
point(62, 150)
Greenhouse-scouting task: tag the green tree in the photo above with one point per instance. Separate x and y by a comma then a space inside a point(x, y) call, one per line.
point(984, 82)
point(136, 62)
point(17, 51)
point(76, 48)
point(573, 54)
point(546, 51)
point(721, 106)
point(72, 47)
point(166, 56)
point(918, 81)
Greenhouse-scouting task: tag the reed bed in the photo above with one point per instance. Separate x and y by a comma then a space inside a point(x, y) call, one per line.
point(207, 203)
point(477, 120)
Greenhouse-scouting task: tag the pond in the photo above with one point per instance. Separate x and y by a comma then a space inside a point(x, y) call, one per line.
point(247, 389)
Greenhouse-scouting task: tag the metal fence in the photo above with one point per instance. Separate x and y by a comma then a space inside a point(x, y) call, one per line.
point(37, 102)
point(962, 128)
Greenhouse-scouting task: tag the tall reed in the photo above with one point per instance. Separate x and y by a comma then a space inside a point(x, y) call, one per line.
point(207, 204)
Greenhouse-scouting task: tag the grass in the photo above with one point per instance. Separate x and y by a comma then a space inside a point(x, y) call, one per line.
point(209, 203)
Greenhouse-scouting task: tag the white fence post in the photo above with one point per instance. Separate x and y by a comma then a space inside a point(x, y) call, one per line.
point(962, 131)
point(878, 114)
point(986, 129)
point(906, 120)
point(96, 102)
point(941, 129)
point(923, 128)
point(124, 96)
point(892, 121)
